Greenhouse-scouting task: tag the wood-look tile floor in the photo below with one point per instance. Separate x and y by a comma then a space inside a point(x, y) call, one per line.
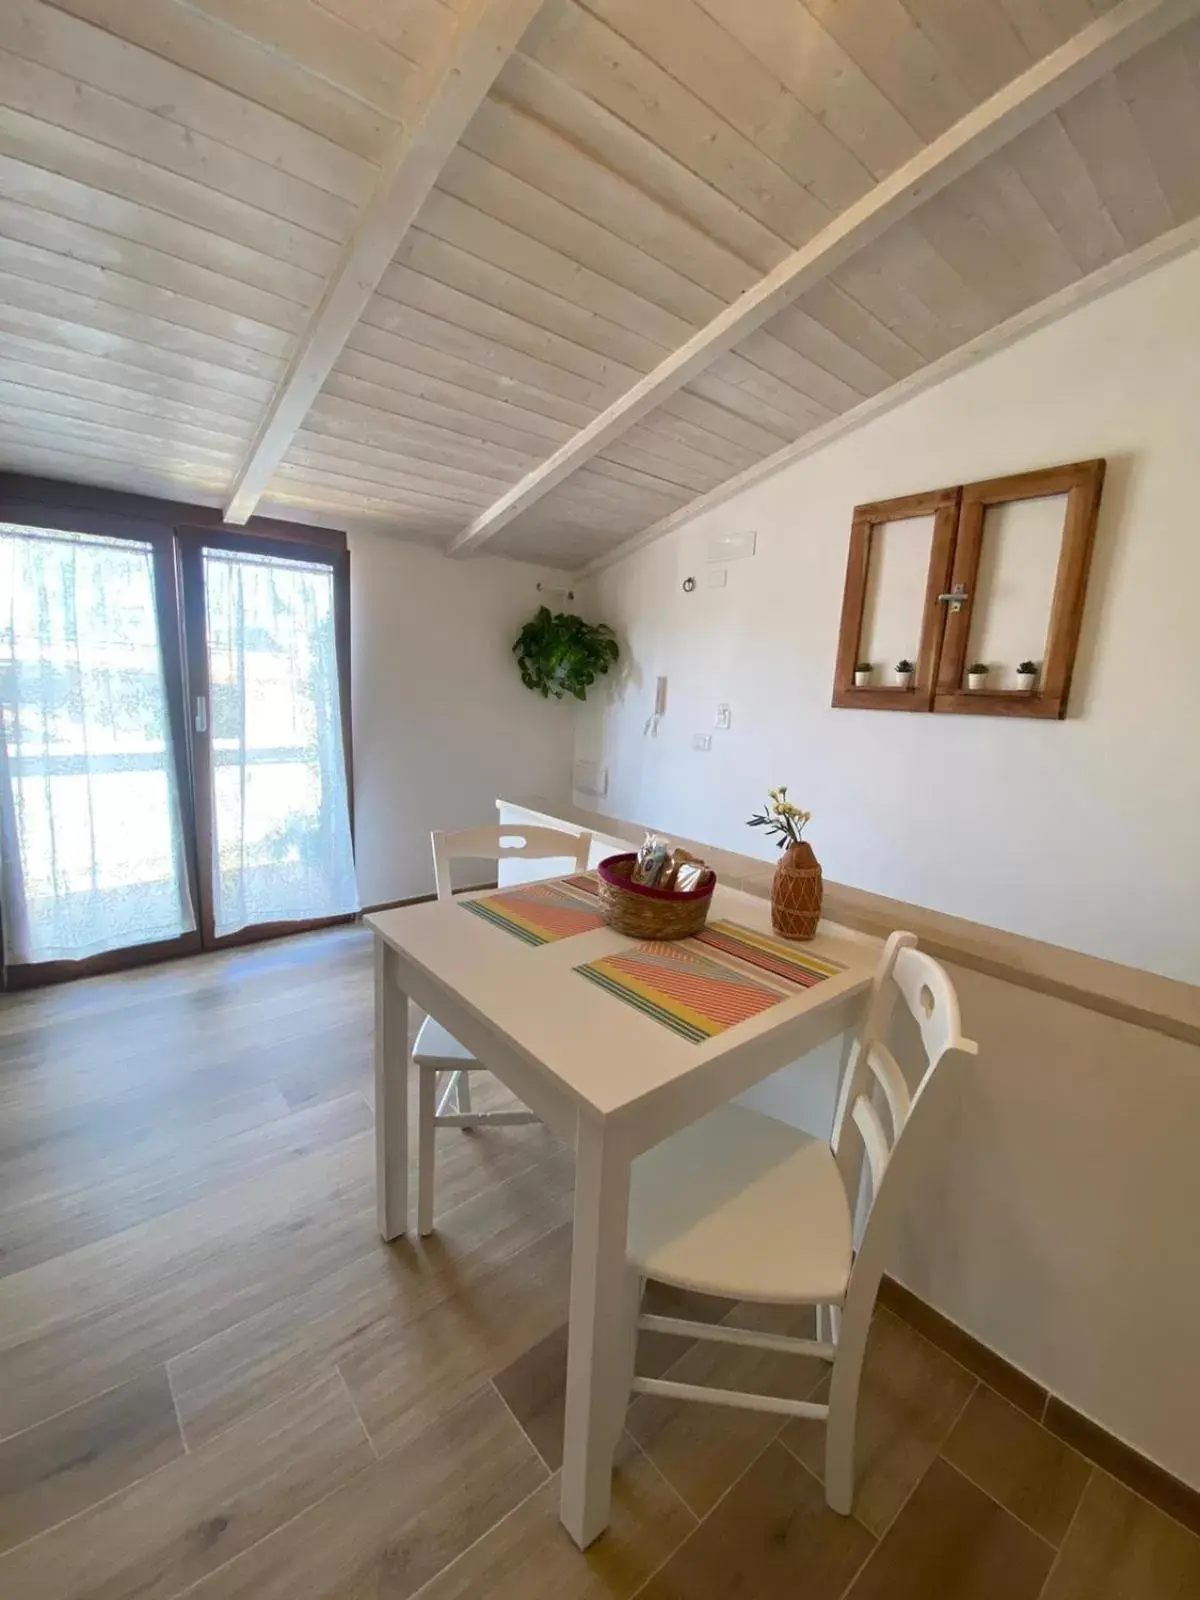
point(216, 1380)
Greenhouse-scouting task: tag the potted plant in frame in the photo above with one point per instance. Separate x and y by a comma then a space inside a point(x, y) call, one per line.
point(1027, 673)
point(977, 675)
point(904, 670)
point(862, 674)
point(796, 889)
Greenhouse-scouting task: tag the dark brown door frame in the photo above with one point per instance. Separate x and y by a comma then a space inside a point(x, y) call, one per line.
point(168, 527)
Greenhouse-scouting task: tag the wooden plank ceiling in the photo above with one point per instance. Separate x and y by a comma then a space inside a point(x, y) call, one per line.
point(182, 182)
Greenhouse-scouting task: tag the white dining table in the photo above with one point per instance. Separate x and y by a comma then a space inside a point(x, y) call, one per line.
point(605, 1077)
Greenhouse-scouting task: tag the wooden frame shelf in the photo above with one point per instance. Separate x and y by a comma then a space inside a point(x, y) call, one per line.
point(954, 565)
point(942, 505)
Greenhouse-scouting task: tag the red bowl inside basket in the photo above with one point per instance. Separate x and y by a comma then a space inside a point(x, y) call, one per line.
point(619, 881)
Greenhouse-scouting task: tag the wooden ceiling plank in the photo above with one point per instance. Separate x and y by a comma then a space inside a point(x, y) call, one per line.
point(422, 293)
point(52, 300)
point(883, 38)
point(51, 267)
point(832, 308)
point(56, 329)
point(793, 46)
point(351, 476)
point(1042, 25)
point(1101, 128)
point(601, 178)
point(386, 319)
point(1162, 90)
point(452, 88)
point(54, 97)
point(145, 265)
point(392, 431)
point(109, 469)
point(95, 56)
point(554, 311)
point(69, 396)
point(374, 353)
point(713, 64)
point(197, 41)
point(1041, 89)
point(977, 41)
point(407, 386)
point(796, 326)
point(492, 190)
point(286, 289)
point(306, 32)
point(116, 172)
point(464, 227)
point(604, 66)
point(1058, 178)
point(426, 464)
point(50, 425)
point(68, 367)
point(720, 420)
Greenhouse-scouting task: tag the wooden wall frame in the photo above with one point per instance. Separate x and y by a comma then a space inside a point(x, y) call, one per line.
point(942, 505)
point(1081, 482)
point(954, 563)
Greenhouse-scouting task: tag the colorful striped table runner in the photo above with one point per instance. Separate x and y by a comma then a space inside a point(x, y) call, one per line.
point(540, 913)
point(700, 987)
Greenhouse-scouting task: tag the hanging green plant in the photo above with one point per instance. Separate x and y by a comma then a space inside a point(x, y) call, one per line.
point(559, 654)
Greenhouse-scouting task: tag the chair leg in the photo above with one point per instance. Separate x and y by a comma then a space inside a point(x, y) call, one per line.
point(632, 1291)
point(462, 1090)
point(427, 1094)
point(853, 1326)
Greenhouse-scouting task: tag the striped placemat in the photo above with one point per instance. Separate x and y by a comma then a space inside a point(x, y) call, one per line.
point(702, 986)
point(540, 913)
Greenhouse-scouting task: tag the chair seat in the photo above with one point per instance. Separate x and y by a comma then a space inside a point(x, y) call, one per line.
point(434, 1044)
point(745, 1206)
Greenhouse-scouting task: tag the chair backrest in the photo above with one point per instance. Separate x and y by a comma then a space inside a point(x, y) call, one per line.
point(899, 1147)
point(502, 842)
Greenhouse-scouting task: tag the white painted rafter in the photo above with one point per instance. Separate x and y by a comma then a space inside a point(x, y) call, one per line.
point(1125, 269)
point(1096, 50)
point(456, 83)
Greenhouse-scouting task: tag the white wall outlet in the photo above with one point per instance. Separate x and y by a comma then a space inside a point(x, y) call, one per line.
point(702, 741)
point(724, 717)
point(716, 577)
point(591, 778)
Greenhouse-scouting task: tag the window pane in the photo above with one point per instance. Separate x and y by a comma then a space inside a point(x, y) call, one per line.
point(89, 815)
point(281, 821)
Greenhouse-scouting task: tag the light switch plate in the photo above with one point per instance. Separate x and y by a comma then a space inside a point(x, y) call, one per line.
point(724, 717)
point(702, 741)
point(591, 778)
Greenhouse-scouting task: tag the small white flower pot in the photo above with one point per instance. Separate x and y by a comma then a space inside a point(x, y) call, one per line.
point(903, 679)
point(862, 680)
point(977, 680)
point(1027, 681)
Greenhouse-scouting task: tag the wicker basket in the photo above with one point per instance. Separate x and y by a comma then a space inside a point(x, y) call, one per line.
point(645, 913)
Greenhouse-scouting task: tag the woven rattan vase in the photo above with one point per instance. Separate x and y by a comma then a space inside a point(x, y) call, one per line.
point(796, 893)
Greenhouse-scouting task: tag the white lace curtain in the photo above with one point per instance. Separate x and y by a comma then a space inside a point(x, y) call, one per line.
point(91, 847)
point(281, 816)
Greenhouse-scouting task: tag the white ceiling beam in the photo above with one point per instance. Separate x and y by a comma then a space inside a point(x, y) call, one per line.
point(1037, 92)
point(456, 83)
point(1113, 275)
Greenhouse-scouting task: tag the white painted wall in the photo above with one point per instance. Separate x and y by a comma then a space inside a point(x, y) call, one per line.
point(1062, 1229)
point(442, 723)
point(1083, 833)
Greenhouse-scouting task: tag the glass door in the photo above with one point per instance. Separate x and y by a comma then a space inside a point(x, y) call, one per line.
point(266, 628)
point(94, 817)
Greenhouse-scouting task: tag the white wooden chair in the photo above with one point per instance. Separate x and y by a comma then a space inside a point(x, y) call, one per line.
point(744, 1206)
point(436, 1051)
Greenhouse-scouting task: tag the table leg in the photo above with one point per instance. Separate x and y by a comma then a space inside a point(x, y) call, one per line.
point(601, 1332)
point(391, 1095)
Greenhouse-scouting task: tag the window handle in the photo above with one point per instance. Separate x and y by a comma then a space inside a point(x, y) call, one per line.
point(201, 714)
